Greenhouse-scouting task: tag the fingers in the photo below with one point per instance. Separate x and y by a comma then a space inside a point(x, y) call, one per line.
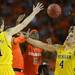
point(33, 6)
point(40, 6)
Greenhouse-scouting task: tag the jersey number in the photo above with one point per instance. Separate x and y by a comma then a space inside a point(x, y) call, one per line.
point(62, 64)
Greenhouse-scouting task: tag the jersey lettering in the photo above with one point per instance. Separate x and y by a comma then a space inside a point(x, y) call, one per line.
point(62, 64)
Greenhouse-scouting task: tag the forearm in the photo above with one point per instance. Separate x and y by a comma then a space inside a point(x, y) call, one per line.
point(27, 20)
point(41, 45)
point(22, 25)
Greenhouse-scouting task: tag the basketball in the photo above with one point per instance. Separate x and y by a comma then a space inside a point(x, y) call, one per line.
point(54, 10)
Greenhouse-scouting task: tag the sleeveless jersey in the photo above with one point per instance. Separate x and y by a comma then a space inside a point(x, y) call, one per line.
point(5, 48)
point(17, 54)
point(65, 62)
point(33, 59)
point(6, 55)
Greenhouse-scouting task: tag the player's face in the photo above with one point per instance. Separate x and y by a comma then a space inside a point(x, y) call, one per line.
point(71, 38)
point(35, 35)
point(2, 28)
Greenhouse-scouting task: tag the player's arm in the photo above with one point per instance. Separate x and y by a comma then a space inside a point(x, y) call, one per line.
point(20, 38)
point(42, 45)
point(22, 25)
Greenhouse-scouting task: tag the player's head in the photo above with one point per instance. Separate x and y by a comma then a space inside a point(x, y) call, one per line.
point(71, 36)
point(34, 34)
point(1, 24)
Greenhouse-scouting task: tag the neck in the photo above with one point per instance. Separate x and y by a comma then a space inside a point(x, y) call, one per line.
point(68, 46)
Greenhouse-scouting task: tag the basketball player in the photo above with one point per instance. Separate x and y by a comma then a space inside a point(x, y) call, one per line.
point(32, 56)
point(5, 41)
point(18, 62)
point(65, 62)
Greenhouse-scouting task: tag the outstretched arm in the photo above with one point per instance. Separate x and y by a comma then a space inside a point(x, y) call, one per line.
point(48, 47)
point(22, 25)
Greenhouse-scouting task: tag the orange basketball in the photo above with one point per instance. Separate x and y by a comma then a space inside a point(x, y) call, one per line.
point(54, 10)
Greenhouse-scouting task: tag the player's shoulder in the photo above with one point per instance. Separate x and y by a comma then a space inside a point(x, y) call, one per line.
point(58, 47)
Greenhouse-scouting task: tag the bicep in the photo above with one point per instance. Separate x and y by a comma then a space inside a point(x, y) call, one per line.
point(42, 45)
point(14, 30)
point(48, 47)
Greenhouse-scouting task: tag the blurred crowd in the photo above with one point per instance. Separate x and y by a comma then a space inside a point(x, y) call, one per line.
point(56, 29)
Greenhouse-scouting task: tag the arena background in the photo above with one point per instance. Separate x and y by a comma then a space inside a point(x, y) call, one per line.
point(57, 28)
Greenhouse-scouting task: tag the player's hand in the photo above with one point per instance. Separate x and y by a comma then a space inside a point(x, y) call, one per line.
point(38, 8)
point(27, 34)
point(20, 18)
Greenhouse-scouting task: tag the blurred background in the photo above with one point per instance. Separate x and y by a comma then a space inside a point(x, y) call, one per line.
point(57, 28)
point(48, 27)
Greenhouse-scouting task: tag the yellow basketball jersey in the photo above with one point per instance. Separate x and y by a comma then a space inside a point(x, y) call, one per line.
point(6, 55)
point(65, 62)
point(5, 49)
